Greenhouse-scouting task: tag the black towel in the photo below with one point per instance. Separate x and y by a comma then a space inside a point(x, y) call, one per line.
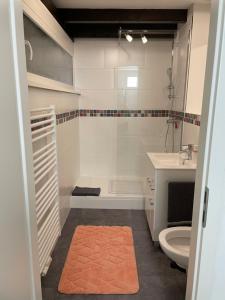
point(86, 191)
point(180, 202)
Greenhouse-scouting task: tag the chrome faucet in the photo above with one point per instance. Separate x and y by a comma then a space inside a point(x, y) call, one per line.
point(188, 149)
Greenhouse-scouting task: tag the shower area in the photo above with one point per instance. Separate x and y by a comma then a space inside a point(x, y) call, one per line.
point(128, 92)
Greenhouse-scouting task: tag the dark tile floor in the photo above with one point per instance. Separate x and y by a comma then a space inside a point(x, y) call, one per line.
point(157, 280)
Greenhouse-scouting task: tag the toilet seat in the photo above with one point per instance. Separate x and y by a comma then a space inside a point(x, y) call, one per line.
point(175, 242)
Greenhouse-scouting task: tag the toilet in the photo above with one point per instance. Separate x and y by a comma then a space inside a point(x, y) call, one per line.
point(175, 243)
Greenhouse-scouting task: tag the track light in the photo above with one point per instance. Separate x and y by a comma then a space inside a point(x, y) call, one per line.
point(144, 39)
point(129, 38)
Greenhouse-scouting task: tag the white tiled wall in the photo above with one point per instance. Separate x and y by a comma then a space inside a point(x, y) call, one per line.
point(135, 137)
point(102, 68)
point(67, 141)
point(117, 146)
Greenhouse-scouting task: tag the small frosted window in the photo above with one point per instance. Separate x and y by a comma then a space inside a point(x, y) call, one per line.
point(49, 59)
point(132, 82)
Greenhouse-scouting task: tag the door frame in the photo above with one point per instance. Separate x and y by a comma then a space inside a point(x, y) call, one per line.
point(211, 126)
point(19, 273)
point(201, 284)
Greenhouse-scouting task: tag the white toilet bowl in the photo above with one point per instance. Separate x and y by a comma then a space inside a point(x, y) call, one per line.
point(175, 242)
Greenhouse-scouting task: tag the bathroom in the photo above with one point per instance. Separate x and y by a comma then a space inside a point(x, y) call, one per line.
point(115, 95)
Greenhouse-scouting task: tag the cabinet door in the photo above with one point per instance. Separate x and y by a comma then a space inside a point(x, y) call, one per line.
point(44, 57)
point(149, 203)
point(149, 208)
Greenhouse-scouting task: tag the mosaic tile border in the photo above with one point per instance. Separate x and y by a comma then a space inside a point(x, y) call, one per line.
point(186, 117)
point(70, 115)
point(67, 116)
point(123, 113)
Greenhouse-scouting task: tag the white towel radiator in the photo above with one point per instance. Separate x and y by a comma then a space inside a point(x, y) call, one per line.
point(43, 128)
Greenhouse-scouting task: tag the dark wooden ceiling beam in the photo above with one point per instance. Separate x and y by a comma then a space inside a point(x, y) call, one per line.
point(112, 30)
point(106, 34)
point(107, 22)
point(125, 26)
point(122, 15)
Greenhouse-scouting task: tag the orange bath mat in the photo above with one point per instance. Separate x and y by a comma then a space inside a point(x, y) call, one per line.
point(101, 260)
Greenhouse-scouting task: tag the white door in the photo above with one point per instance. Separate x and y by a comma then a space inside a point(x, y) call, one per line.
point(206, 276)
point(19, 274)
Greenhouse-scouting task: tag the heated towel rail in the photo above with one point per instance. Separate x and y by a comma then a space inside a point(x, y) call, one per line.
point(43, 129)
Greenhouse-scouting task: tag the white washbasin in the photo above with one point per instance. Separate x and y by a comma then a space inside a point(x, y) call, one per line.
point(170, 161)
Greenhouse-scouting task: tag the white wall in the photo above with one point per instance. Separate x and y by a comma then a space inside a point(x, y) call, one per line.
point(199, 45)
point(190, 134)
point(116, 146)
point(67, 141)
point(191, 101)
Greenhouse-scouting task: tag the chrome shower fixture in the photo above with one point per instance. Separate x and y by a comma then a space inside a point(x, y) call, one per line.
point(130, 34)
point(171, 85)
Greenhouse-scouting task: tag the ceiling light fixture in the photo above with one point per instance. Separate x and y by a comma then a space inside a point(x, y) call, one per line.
point(144, 39)
point(129, 38)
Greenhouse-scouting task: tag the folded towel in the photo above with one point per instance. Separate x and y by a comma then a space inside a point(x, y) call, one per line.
point(86, 191)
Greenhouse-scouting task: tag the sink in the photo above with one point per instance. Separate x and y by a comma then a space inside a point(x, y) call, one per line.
point(170, 161)
point(161, 169)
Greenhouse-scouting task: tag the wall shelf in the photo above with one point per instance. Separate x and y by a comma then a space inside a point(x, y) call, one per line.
point(49, 84)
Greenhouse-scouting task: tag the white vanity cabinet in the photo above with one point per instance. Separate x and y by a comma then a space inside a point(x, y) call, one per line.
point(150, 204)
point(156, 188)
